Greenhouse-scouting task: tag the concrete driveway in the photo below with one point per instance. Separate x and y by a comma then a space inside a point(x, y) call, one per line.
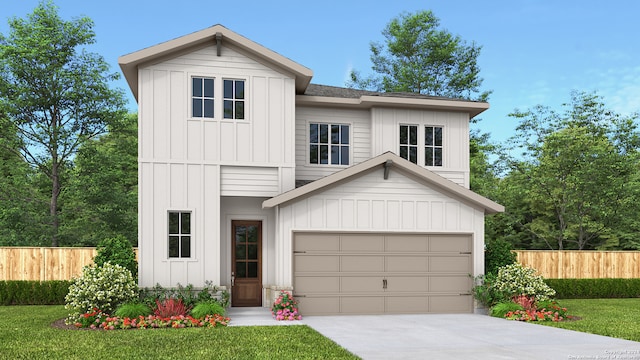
point(464, 336)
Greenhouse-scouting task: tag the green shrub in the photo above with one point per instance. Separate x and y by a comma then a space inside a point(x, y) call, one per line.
point(189, 295)
point(102, 288)
point(595, 288)
point(18, 292)
point(133, 310)
point(117, 250)
point(497, 253)
point(203, 309)
point(501, 309)
point(516, 279)
point(486, 293)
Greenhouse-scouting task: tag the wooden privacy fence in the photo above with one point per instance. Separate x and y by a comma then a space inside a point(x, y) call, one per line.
point(583, 264)
point(44, 263)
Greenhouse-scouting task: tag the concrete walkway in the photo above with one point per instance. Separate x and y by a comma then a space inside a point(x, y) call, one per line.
point(451, 336)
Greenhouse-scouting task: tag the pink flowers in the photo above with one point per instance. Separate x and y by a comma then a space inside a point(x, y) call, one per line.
point(285, 307)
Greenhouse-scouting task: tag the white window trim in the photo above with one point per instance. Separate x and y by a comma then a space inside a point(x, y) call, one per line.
point(307, 144)
point(246, 98)
point(421, 144)
point(424, 146)
point(193, 234)
point(215, 98)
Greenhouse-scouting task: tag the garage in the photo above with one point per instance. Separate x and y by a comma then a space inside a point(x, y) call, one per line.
point(382, 273)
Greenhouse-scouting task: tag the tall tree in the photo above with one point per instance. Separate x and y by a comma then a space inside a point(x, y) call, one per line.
point(419, 57)
point(55, 92)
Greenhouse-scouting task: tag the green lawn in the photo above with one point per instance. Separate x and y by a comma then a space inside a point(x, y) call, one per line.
point(619, 318)
point(26, 333)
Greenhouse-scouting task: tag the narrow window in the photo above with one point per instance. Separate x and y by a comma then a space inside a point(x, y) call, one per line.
point(329, 144)
point(234, 99)
point(202, 97)
point(409, 142)
point(433, 146)
point(179, 234)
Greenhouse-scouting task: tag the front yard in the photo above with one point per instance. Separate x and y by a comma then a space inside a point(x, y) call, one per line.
point(26, 333)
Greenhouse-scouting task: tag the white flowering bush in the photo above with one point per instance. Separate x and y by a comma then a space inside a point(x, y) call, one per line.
point(100, 288)
point(516, 279)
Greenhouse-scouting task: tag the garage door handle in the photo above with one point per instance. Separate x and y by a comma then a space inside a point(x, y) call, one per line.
point(384, 283)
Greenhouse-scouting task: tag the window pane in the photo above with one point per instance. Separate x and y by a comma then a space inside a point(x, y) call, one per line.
point(413, 154)
point(437, 161)
point(428, 135)
point(197, 87)
point(241, 269)
point(174, 223)
point(239, 89)
point(197, 108)
point(241, 252)
point(185, 247)
point(428, 156)
point(208, 108)
point(186, 223)
point(313, 154)
point(208, 88)
point(335, 134)
point(324, 133)
point(404, 152)
point(241, 234)
point(253, 251)
point(335, 155)
point(344, 134)
point(404, 130)
point(228, 109)
point(252, 270)
point(239, 110)
point(174, 250)
point(413, 135)
point(438, 136)
point(313, 133)
point(344, 158)
point(324, 154)
point(228, 89)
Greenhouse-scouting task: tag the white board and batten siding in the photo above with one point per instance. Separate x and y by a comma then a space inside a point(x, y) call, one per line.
point(370, 204)
point(186, 164)
point(385, 132)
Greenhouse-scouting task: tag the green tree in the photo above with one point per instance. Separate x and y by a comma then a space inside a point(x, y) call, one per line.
point(55, 92)
point(101, 200)
point(419, 57)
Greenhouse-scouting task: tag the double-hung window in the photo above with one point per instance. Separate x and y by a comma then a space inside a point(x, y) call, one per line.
point(202, 97)
point(180, 234)
point(329, 144)
point(234, 99)
point(433, 146)
point(409, 142)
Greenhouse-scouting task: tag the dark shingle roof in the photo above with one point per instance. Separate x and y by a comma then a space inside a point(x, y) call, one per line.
point(340, 92)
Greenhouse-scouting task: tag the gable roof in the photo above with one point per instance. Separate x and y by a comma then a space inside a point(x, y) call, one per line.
point(395, 162)
point(129, 63)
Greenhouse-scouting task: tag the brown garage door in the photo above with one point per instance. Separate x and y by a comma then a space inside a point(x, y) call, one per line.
point(382, 273)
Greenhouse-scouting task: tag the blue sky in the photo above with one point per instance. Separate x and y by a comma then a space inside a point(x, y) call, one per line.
point(533, 52)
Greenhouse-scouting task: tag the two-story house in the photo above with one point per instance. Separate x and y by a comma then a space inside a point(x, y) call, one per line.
point(252, 178)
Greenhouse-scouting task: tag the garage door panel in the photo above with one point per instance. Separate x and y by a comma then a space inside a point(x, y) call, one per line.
point(353, 263)
point(362, 305)
point(407, 284)
point(450, 243)
point(407, 243)
point(356, 284)
point(317, 284)
point(460, 284)
point(317, 242)
point(407, 304)
point(448, 264)
point(407, 263)
point(362, 243)
point(451, 304)
point(319, 305)
point(321, 263)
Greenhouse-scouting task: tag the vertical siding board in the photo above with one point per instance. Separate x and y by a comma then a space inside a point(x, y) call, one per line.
point(276, 124)
point(161, 137)
point(178, 112)
point(259, 108)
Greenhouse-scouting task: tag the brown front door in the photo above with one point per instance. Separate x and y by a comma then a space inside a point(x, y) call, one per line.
point(246, 263)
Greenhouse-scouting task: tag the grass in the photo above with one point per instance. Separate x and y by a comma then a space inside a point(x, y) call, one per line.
point(26, 333)
point(619, 318)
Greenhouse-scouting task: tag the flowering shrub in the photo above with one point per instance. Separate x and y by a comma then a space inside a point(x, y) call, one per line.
point(516, 279)
point(170, 307)
point(543, 311)
point(98, 320)
point(103, 288)
point(285, 307)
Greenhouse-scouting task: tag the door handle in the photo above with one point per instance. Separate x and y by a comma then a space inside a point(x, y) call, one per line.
point(233, 278)
point(384, 283)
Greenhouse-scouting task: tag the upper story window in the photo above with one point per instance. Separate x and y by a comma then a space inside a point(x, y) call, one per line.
point(433, 146)
point(409, 142)
point(234, 99)
point(202, 97)
point(179, 234)
point(329, 144)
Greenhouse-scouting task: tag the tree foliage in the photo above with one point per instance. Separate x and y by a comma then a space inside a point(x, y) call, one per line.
point(55, 92)
point(419, 57)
